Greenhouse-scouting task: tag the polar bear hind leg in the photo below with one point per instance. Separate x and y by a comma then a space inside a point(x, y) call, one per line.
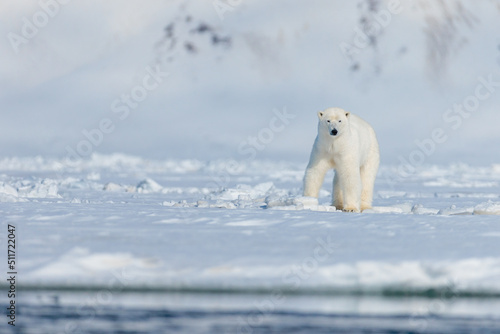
point(368, 175)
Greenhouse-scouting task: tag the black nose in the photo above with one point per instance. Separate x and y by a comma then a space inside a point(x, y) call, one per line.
point(334, 132)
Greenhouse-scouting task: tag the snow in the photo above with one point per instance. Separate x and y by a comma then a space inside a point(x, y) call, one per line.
point(172, 225)
point(487, 208)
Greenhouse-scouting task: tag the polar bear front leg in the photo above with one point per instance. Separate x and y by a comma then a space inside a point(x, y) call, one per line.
point(314, 177)
point(350, 184)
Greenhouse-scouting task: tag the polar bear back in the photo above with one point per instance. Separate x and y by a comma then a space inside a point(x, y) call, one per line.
point(367, 139)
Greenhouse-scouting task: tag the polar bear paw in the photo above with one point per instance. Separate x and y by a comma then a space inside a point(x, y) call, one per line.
point(350, 209)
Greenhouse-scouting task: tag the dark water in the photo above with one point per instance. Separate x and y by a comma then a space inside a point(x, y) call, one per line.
point(139, 313)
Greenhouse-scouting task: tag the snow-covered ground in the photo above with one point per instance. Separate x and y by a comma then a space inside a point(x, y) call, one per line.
point(228, 236)
point(227, 225)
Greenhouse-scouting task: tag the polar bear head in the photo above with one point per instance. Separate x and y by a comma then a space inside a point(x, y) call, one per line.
point(333, 121)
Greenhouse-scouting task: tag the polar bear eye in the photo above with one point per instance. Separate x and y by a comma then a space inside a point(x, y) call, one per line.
point(340, 121)
point(328, 121)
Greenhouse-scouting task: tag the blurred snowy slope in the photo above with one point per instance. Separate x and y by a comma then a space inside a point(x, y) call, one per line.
point(67, 77)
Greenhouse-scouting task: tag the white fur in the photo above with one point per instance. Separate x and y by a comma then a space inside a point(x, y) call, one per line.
point(354, 154)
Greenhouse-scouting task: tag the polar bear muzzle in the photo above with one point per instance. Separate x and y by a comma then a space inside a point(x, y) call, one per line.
point(334, 132)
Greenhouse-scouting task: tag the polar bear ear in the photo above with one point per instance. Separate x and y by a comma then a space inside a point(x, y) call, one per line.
point(347, 114)
point(320, 114)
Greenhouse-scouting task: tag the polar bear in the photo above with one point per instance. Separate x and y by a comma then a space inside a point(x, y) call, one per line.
point(348, 144)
